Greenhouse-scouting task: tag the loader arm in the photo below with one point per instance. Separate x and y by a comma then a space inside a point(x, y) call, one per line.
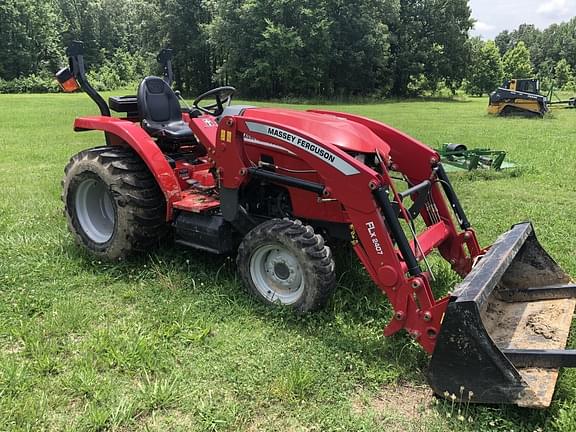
point(418, 162)
point(374, 209)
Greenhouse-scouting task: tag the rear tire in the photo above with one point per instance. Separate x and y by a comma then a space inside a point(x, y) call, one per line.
point(284, 262)
point(113, 205)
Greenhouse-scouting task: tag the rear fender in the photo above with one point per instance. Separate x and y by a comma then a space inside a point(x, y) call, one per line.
point(123, 132)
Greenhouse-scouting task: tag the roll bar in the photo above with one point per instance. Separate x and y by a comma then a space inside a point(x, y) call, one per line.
point(75, 53)
point(165, 59)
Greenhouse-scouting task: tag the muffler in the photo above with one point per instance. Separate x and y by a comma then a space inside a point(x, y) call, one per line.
point(504, 332)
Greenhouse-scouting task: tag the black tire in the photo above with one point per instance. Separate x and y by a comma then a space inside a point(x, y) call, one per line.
point(130, 214)
point(283, 243)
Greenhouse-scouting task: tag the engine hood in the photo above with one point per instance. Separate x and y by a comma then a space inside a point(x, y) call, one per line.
point(347, 135)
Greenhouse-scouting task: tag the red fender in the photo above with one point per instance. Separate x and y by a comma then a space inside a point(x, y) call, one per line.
point(135, 137)
point(412, 157)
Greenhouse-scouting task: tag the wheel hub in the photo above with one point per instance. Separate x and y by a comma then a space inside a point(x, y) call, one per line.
point(281, 270)
point(95, 210)
point(277, 274)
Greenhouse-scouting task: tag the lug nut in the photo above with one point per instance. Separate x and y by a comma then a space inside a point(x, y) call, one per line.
point(416, 284)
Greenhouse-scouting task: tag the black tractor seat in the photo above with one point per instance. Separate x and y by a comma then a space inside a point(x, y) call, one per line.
point(173, 131)
point(161, 114)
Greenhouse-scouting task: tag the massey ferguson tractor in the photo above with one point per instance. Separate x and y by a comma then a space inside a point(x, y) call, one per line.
point(275, 187)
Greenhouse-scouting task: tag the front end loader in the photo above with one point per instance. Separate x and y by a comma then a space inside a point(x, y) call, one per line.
point(277, 187)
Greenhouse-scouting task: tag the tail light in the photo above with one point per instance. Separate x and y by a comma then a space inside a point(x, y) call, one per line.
point(67, 81)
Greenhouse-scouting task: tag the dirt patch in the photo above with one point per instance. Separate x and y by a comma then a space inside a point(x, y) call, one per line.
point(544, 322)
point(516, 324)
point(407, 401)
point(497, 322)
point(13, 348)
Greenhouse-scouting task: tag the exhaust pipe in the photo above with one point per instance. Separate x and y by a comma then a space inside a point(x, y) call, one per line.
point(504, 332)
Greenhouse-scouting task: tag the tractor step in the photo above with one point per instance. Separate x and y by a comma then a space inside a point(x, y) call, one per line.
point(207, 232)
point(196, 202)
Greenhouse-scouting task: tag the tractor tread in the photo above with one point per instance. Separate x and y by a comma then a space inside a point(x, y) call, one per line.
point(140, 204)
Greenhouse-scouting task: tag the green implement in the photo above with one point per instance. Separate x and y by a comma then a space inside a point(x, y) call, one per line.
point(457, 158)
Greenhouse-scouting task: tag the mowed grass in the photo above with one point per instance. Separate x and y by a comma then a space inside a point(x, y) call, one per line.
point(171, 341)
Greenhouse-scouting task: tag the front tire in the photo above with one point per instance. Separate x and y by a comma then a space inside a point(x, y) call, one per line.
point(113, 205)
point(284, 262)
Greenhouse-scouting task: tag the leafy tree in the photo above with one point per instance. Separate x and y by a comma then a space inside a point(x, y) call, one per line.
point(29, 36)
point(503, 41)
point(450, 24)
point(517, 62)
point(531, 36)
point(429, 40)
point(272, 48)
point(564, 74)
point(80, 21)
point(559, 42)
point(546, 47)
point(277, 48)
point(486, 72)
point(183, 23)
point(360, 48)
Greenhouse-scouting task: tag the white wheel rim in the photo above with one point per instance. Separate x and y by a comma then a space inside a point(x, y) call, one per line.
point(95, 210)
point(276, 274)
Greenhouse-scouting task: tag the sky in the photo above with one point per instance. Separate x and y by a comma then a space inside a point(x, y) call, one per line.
point(493, 16)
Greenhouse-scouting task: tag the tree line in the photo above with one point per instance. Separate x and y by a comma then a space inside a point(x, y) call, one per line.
point(275, 48)
point(526, 52)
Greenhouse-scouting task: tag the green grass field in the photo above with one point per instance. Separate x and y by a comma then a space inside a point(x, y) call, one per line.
point(171, 341)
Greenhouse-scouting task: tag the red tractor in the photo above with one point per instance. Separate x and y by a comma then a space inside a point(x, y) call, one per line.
point(276, 186)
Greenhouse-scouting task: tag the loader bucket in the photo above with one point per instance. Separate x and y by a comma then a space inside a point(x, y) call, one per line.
point(506, 326)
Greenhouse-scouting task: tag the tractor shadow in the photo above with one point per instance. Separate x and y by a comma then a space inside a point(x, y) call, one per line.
point(351, 325)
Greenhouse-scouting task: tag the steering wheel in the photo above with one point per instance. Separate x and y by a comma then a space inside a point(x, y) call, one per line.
point(223, 97)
